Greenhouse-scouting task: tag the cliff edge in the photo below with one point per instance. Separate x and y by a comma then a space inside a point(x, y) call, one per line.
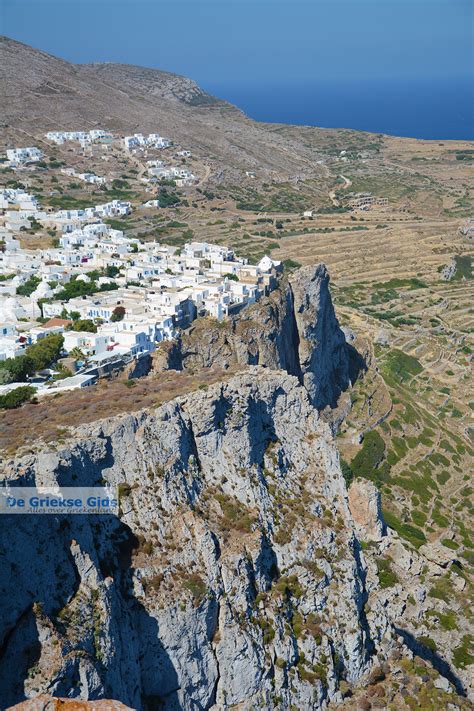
point(294, 329)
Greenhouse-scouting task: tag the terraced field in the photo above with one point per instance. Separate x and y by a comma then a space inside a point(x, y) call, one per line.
point(409, 428)
point(389, 290)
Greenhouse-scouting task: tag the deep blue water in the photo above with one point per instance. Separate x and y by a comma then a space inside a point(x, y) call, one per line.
point(425, 108)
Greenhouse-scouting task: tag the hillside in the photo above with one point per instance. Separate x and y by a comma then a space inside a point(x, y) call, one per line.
point(265, 572)
point(45, 93)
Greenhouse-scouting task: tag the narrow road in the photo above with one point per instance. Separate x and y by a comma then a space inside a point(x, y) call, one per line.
point(332, 192)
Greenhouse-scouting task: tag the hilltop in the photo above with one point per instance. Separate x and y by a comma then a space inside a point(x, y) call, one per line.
point(46, 93)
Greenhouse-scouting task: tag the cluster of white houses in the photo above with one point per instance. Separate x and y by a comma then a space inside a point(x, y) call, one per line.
point(18, 198)
point(179, 174)
point(90, 178)
point(82, 137)
point(18, 156)
point(137, 295)
point(110, 296)
point(20, 208)
point(153, 140)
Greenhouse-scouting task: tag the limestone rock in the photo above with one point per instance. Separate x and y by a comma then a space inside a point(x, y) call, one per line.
point(322, 351)
point(206, 581)
point(365, 507)
point(294, 328)
point(439, 554)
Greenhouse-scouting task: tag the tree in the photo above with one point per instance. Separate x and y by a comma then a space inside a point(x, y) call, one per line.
point(45, 352)
point(29, 286)
point(112, 271)
point(5, 376)
point(119, 184)
point(232, 277)
point(84, 324)
point(77, 287)
point(77, 353)
point(118, 313)
point(16, 369)
point(16, 397)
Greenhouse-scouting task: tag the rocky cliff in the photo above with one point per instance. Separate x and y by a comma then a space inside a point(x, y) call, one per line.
point(238, 574)
point(294, 328)
point(233, 576)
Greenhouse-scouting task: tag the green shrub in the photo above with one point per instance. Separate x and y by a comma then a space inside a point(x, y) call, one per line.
point(84, 325)
point(443, 477)
point(29, 286)
point(369, 456)
point(289, 585)
point(234, 514)
point(118, 313)
point(441, 590)
point(46, 351)
point(16, 397)
point(428, 643)
point(387, 577)
point(400, 366)
point(168, 198)
point(418, 517)
point(448, 543)
point(400, 446)
point(124, 489)
point(76, 288)
point(446, 620)
point(463, 656)
point(290, 264)
point(440, 520)
point(410, 533)
point(444, 444)
point(347, 472)
point(196, 585)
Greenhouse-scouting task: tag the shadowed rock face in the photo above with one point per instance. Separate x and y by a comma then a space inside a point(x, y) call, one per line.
point(208, 578)
point(293, 329)
point(322, 351)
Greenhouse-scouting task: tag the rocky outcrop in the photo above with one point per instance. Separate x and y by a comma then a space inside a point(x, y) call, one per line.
point(262, 334)
point(322, 351)
point(293, 329)
point(448, 272)
point(233, 576)
point(366, 510)
point(139, 367)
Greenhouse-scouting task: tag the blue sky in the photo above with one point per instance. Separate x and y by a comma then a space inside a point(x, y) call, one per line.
point(235, 42)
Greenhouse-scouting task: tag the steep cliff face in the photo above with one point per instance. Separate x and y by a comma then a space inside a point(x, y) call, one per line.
point(294, 329)
point(323, 354)
point(232, 578)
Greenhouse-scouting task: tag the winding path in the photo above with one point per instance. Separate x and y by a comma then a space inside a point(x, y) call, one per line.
point(332, 192)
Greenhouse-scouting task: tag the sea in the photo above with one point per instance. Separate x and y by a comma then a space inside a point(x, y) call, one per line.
point(437, 109)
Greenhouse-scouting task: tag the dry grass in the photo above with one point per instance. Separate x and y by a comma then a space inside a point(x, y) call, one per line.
point(50, 419)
